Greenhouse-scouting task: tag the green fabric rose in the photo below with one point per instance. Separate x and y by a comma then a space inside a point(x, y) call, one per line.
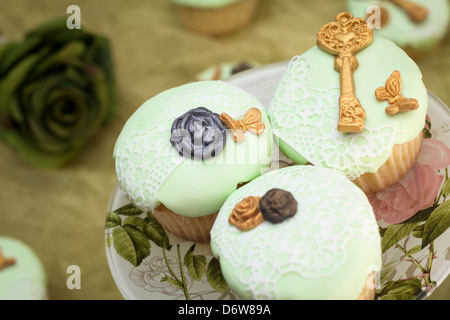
point(57, 87)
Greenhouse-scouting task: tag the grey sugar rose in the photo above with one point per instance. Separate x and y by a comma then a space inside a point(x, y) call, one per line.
point(198, 134)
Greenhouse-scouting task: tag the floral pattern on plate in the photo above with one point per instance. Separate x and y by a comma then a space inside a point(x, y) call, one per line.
point(417, 212)
point(174, 270)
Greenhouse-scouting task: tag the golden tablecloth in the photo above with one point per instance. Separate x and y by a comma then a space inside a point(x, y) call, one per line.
point(61, 213)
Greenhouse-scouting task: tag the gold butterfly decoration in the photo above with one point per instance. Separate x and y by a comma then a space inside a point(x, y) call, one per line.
point(392, 93)
point(251, 122)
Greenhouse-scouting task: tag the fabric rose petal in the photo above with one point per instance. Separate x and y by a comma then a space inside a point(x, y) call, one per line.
point(417, 190)
point(57, 87)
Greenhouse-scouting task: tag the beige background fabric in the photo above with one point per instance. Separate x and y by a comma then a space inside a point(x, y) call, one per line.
point(61, 213)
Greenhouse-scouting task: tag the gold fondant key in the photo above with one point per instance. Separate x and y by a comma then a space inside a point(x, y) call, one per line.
point(416, 12)
point(343, 39)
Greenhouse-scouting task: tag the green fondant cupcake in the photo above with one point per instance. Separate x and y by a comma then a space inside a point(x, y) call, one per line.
point(215, 17)
point(178, 157)
point(417, 26)
point(300, 232)
point(316, 95)
point(22, 275)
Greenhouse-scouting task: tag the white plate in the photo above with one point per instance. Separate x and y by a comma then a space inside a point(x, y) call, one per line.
point(407, 269)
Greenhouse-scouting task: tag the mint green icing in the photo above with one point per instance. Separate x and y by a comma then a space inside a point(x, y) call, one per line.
point(205, 3)
point(401, 29)
point(304, 109)
point(325, 251)
point(151, 172)
point(26, 279)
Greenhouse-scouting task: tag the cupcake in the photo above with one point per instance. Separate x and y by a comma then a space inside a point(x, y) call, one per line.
point(215, 17)
point(300, 232)
point(355, 102)
point(224, 70)
point(417, 26)
point(22, 275)
point(186, 149)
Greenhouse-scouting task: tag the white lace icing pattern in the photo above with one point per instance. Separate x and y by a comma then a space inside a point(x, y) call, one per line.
point(306, 119)
point(312, 243)
point(145, 160)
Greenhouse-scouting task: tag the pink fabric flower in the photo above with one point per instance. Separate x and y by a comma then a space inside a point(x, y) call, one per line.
point(418, 189)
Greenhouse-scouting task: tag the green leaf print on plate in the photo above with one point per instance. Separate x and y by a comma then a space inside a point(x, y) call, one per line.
point(132, 233)
point(196, 264)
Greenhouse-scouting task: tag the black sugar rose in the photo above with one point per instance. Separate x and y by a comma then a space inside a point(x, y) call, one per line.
point(198, 134)
point(241, 67)
point(277, 205)
point(57, 87)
